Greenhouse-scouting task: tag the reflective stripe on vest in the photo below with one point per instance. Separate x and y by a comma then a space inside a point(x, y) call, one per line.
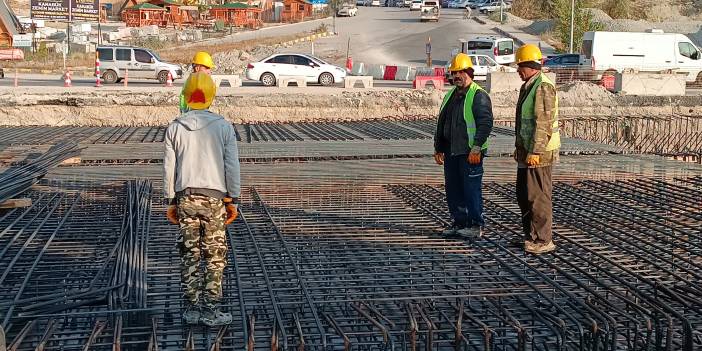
point(467, 112)
point(528, 124)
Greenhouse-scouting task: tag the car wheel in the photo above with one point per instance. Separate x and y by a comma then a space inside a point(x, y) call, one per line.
point(268, 79)
point(109, 77)
point(326, 79)
point(698, 81)
point(162, 77)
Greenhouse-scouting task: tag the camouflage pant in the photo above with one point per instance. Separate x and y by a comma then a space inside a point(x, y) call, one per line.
point(202, 234)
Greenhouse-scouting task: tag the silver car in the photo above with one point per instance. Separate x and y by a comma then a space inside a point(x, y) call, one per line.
point(141, 63)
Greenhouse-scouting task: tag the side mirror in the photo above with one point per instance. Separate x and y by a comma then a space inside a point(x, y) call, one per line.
point(152, 60)
point(695, 56)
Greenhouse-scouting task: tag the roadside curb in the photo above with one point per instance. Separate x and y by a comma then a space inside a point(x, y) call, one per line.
point(507, 34)
point(479, 20)
point(307, 38)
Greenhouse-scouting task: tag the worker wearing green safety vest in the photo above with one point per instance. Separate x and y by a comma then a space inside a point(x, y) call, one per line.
point(460, 143)
point(202, 62)
point(537, 144)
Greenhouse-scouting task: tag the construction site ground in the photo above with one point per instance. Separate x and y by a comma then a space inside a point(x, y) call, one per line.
point(338, 247)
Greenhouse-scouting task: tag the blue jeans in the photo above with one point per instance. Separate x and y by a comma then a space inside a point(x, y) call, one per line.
point(464, 190)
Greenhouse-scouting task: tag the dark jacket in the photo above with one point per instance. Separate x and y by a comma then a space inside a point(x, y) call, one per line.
point(544, 102)
point(451, 137)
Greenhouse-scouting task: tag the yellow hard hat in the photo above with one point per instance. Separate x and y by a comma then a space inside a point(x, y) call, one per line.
point(199, 91)
point(204, 59)
point(527, 53)
point(460, 62)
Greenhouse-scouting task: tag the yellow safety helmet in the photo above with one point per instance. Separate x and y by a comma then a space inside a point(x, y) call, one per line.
point(529, 53)
point(460, 62)
point(204, 59)
point(199, 91)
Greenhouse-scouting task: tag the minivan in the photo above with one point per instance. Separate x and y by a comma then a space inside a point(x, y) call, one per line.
point(140, 62)
point(499, 49)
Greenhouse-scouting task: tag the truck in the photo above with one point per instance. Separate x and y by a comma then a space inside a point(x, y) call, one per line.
point(429, 11)
point(650, 51)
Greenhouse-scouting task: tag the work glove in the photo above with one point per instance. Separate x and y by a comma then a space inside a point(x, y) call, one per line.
point(475, 154)
point(532, 160)
point(172, 214)
point(232, 210)
point(439, 158)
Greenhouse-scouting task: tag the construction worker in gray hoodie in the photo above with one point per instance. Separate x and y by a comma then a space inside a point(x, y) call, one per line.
point(202, 186)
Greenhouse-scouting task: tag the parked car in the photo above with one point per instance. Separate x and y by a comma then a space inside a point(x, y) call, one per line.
point(314, 69)
point(347, 11)
point(564, 61)
point(457, 4)
point(475, 4)
point(494, 6)
point(360, 2)
point(648, 52)
point(416, 5)
point(482, 65)
point(430, 10)
point(498, 48)
point(142, 63)
point(375, 3)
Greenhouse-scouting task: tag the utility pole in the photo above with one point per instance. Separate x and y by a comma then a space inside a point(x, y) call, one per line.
point(572, 24)
point(502, 3)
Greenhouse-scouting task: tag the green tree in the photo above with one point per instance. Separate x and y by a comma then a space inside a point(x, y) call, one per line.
point(583, 22)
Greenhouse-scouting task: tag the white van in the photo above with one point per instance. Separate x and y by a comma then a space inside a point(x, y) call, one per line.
point(499, 49)
point(142, 64)
point(430, 10)
point(652, 51)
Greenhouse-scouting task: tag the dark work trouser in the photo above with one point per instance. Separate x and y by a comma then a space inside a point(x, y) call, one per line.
point(464, 191)
point(534, 189)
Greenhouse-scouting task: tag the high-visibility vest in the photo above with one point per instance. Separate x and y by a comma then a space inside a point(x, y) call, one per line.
point(467, 112)
point(528, 124)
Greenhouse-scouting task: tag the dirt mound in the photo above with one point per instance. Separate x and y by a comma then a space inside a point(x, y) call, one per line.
point(584, 93)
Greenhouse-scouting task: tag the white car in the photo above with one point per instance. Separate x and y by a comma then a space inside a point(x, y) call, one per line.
point(314, 69)
point(494, 6)
point(416, 5)
point(347, 10)
point(458, 4)
point(482, 65)
point(375, 3)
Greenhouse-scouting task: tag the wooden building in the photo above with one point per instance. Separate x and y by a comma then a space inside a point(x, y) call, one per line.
point(145, 14)
point(296, 10)
point(237, 14)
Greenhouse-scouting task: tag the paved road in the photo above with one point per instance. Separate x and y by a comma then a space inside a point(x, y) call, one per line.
point(391, 35)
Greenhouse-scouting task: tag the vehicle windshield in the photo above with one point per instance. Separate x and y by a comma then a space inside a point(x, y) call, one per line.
point(155, 55)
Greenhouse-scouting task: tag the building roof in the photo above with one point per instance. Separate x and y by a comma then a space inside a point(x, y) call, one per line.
point(8, 19)
point(232, 5)
point(145, 6)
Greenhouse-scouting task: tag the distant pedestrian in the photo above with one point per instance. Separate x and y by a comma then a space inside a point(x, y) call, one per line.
point(202, 185)
point(460, 144)
point(537, 147)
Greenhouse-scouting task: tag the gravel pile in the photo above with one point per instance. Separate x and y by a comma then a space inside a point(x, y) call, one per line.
point(235, 61)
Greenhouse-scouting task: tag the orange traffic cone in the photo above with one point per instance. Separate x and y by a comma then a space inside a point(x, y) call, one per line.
point(169, 81)
point(67, 79)
point(98, 82)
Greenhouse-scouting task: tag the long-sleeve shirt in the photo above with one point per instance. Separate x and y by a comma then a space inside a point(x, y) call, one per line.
point(201, 154)
point(544, 116)
point(451, 137)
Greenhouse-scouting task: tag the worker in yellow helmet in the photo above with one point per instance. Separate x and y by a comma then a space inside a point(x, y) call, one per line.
point(202, 62)
point(537, 146)
point(201, 186)
point(460, 144)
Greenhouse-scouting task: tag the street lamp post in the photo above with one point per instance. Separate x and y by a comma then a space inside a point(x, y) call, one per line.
point(572, 24)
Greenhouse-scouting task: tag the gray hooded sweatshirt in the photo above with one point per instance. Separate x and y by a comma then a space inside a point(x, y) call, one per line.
point(201, 156)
